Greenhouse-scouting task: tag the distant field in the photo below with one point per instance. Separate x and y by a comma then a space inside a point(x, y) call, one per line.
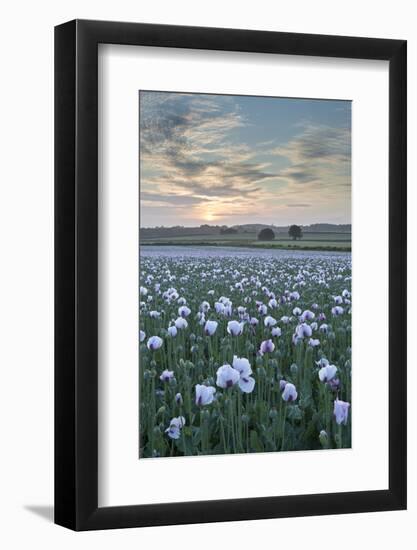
point(330, 241)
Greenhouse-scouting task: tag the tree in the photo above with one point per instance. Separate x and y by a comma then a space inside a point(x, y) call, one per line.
point(295, 232)
point(266, 234)
point(228, 231)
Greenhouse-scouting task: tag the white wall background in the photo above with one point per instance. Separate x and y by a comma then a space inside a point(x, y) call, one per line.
point(26, 272)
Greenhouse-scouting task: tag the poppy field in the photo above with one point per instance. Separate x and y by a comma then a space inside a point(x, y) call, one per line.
point(243, 353)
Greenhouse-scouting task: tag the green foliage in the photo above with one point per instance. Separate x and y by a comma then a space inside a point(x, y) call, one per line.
point(238, 422)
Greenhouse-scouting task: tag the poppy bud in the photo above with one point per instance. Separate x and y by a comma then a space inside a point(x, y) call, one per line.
point(324, 439)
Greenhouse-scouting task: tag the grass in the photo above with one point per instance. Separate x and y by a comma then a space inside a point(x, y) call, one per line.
point(311, 241)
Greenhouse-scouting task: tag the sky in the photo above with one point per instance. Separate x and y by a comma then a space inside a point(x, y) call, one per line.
point(229, 160)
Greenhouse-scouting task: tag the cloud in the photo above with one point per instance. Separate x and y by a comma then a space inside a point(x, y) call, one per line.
point(298, 205)
point(320, 155)
point(187, 150)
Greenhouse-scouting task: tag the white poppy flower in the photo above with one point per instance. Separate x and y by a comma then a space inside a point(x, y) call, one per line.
point(154, 343)
point(337, 310)
point(314, 342)
point(142, 336)
point(154, 314)
point(307, 315)
point(227, 376)
point(234, 328)
point(210, 327)
point(166, 376)
point(184, 311)
point(205, 306)
point(304, 331)
point(273, 303)
point(242, 365)
point(327, 373)
point(204, 395)
point(262, 309)
point(172, 331)
point(181, 323)
point(174, 430)
point(246, 382)
point(285, 320)
point(270, 321)
point(296, 311)
point(143, 291)
point(219, 307)
point(341, 411)
point(289, 393)
point(267, 346)
point(276, 331)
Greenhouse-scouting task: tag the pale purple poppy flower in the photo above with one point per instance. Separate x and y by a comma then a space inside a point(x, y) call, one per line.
point(254, 321)
point(337, 310)
point(246, 382)
point(324, 328)
point(172, 331)
point(184, 311)
point(296, 311)
point(338, 300)
point(322, 317)
point(290, 393)
point(327, 373)
point(154, 314)
point(143, 291)
point(322, 362)
point(314, 342)
point(270, 321)
point(341, 411)
point(273, 303)
point(205, 306)
point(142, 336)
point(181, 323)
point(174, 430)
point(210, 328)
point(154, 343)
point(276, 331)
point(307, 315)
point(219, 307)
point(204, 395)
point(282, 384)
point(227, 376)
point(285, 320)
point(267, 346)
point(234, 328)
point(166, 376)
point(294, 295)
point(262, 309)
point(178, 399)
point(304, 331)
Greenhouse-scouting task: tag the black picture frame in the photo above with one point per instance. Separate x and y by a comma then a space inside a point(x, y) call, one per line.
point(76, 272)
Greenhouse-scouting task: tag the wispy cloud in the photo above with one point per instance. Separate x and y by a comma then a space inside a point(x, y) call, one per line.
point(320, 155)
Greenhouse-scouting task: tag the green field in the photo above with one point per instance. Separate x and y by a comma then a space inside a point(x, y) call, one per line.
point(317, 241)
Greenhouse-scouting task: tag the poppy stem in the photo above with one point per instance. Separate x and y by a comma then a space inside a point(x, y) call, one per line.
point(283, 427)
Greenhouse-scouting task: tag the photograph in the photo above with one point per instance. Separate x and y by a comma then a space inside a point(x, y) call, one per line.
point(245, 274)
